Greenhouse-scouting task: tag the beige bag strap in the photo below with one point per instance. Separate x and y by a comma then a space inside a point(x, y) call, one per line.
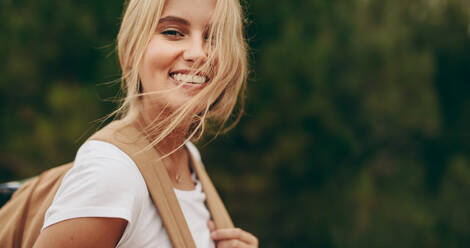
point(214, 203)
point(130, 140)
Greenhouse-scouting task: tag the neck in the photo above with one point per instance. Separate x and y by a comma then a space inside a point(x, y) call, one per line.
point(171, 147)
point(171, 143)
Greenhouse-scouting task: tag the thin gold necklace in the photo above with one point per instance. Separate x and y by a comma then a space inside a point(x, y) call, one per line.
point(178, 177)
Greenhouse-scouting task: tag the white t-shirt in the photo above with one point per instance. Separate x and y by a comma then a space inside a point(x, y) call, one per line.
point(105, 182)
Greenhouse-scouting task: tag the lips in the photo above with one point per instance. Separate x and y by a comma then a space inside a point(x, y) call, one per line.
point(187, 77)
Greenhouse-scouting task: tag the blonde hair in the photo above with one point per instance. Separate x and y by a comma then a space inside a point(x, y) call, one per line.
point(226, 63)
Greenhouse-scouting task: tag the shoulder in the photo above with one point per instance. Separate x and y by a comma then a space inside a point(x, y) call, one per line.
point(100, 150)
point(104, 164)
point(103, 182)
point(104, 157)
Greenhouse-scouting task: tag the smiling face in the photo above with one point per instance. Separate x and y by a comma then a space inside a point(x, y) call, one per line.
point(176, 49)
point(188, 58)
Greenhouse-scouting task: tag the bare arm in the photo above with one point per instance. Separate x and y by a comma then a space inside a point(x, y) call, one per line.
point(82, 232)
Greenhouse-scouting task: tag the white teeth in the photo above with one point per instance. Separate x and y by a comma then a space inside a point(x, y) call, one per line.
point(194, 79)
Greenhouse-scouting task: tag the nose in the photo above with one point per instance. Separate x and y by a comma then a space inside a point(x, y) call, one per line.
point(195, 50)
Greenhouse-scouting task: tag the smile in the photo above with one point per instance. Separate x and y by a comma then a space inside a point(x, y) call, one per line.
point(186, 78)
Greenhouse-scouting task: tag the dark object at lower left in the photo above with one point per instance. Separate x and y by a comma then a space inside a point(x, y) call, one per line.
point(7, 190)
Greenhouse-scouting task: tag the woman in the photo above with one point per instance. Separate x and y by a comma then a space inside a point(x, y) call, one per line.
point(183, 63)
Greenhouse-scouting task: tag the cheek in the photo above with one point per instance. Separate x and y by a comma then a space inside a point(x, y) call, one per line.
point(157, 61)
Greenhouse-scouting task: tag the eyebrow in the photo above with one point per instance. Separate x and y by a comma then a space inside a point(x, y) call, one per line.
point(174, 19)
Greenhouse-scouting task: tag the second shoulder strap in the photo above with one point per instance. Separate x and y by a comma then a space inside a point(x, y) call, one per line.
point(214, 202)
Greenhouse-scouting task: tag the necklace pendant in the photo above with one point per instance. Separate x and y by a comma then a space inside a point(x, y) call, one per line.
point(178, 179)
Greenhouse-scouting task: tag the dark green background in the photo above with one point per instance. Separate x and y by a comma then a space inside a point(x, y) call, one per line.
point(356, 131)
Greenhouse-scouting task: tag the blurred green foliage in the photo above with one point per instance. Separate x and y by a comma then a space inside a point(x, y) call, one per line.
point(357, 125)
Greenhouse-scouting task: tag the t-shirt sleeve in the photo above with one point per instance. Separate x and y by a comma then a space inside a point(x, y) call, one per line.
point(104, 182)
